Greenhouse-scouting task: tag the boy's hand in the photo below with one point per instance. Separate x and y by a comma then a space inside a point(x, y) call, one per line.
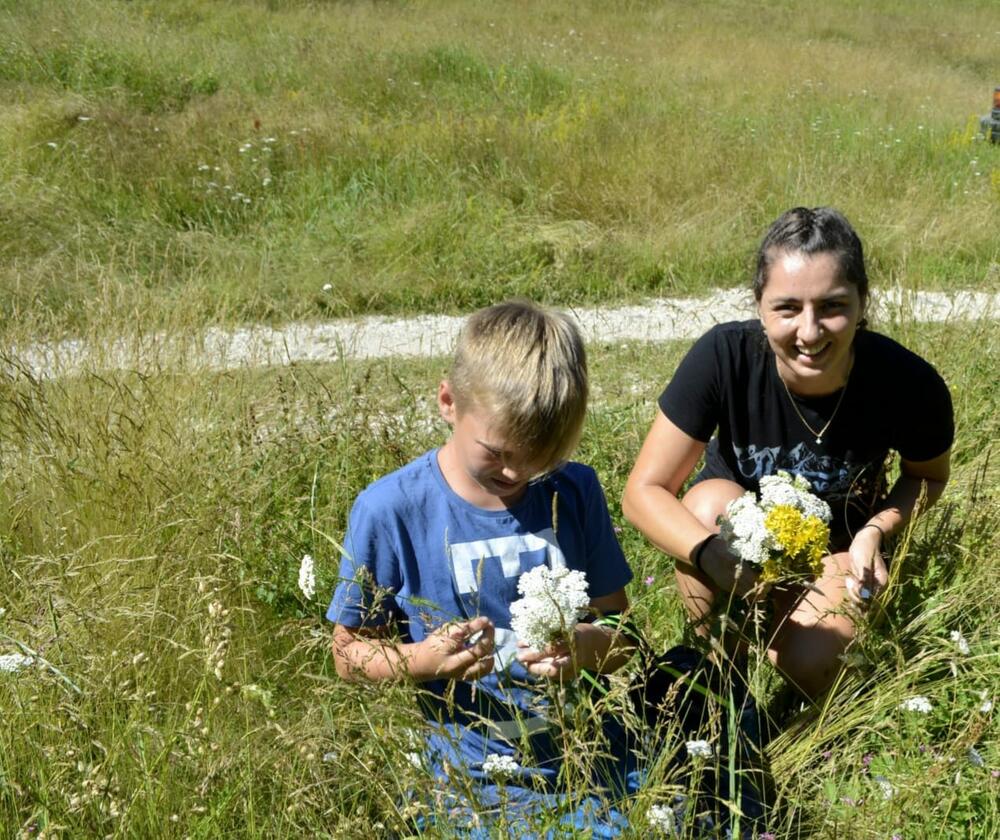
point(563, 660)
point(451, 652)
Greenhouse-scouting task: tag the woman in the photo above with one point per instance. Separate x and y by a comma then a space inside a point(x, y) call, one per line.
point(808, 390)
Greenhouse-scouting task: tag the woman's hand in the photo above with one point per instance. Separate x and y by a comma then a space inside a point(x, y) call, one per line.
point(455, 652)
point(868, 575)
point(724, 569)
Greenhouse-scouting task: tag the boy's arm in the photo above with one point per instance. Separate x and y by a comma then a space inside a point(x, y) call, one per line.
point(367, 653)
point(596, 647)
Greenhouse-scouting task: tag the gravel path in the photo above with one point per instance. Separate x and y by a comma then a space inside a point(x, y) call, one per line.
point(428, 335)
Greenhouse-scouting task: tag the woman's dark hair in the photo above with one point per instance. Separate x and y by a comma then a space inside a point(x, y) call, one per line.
point(813, 230)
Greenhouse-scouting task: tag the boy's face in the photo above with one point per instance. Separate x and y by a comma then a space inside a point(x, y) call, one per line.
point(477, 461)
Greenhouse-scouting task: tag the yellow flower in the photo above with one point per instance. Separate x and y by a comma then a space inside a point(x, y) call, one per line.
point(803, 541)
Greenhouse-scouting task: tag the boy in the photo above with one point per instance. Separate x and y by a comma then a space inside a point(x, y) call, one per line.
point(434, 551)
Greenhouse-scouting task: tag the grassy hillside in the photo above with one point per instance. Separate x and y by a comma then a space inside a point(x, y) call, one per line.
point(229, 160)
point(170, 165)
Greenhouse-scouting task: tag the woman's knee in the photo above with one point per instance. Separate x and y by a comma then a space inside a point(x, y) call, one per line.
point(707, 499)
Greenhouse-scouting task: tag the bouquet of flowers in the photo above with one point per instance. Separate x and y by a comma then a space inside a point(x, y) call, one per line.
point(784, 533)
point(554, 600)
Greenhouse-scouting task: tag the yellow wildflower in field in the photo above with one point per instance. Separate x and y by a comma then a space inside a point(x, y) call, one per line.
point(803, 541)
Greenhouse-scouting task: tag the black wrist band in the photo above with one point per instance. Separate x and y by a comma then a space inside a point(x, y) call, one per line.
point(873, 525)
point(700, 550)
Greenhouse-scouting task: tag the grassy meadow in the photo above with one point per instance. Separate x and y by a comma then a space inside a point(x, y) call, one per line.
point(168, 166)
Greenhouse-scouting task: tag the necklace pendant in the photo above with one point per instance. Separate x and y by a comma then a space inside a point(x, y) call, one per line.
point(819, 439)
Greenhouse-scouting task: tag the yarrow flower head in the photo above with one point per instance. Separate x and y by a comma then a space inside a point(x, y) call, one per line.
point(500, 767)
point(960, 643)
point(11, 663)
point(662, 819)
point(699, 749)
point(784, 532)
point(307, 577)
point(919, 703)
point(553, 601)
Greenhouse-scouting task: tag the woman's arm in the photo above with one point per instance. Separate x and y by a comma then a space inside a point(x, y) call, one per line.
point(447, 653)
point(668, 456)
point(868, 572)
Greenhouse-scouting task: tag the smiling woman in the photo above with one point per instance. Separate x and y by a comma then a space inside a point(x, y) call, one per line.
point(808, 390)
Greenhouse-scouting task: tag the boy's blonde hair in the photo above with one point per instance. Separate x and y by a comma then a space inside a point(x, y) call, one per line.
point(526, 366)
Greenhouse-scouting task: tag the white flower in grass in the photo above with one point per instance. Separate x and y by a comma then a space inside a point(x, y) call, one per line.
point(919, 703)
point(987, 705)
point(11, 663)
point(744, 531)
point(888, 788)
point(661, 818)
point(960, 643)
point(554, 600)
point(500, 767)
point(307, 577)
point(700, 749)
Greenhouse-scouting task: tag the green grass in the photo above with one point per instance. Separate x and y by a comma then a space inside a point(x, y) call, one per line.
point(441, 155)
point(430, 157)
point(132, 504)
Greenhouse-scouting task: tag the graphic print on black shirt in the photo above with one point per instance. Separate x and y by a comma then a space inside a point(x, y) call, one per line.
point(728, 385)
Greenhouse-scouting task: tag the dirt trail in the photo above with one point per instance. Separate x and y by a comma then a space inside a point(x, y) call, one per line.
point(371, 337)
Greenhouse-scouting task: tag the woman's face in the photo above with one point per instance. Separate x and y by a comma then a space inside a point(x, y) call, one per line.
point(810, 316)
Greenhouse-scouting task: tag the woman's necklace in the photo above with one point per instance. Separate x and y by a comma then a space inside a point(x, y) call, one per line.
point(836, 408)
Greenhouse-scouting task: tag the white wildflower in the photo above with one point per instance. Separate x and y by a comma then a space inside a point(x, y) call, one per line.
point(919, 703)
point(307, 577)
point(327, 287)
point(500, 767)
point(700, 749)
point(11, 663)
point(553, 601)
point(960, 643)
point(661, 819)
point(3, 612)
point(888, 788)
point(987, 705)
point(785, 489)
point(744, 532)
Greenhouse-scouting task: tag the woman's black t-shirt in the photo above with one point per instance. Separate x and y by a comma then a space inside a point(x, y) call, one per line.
point(728, 384)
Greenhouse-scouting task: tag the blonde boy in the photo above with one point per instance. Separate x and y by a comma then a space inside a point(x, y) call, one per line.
point(434, 552)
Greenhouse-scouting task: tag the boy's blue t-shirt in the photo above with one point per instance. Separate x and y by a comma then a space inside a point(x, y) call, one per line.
point(419, 555)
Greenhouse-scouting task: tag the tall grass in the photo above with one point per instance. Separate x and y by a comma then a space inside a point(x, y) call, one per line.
point(231, 159)
point(152, 531)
